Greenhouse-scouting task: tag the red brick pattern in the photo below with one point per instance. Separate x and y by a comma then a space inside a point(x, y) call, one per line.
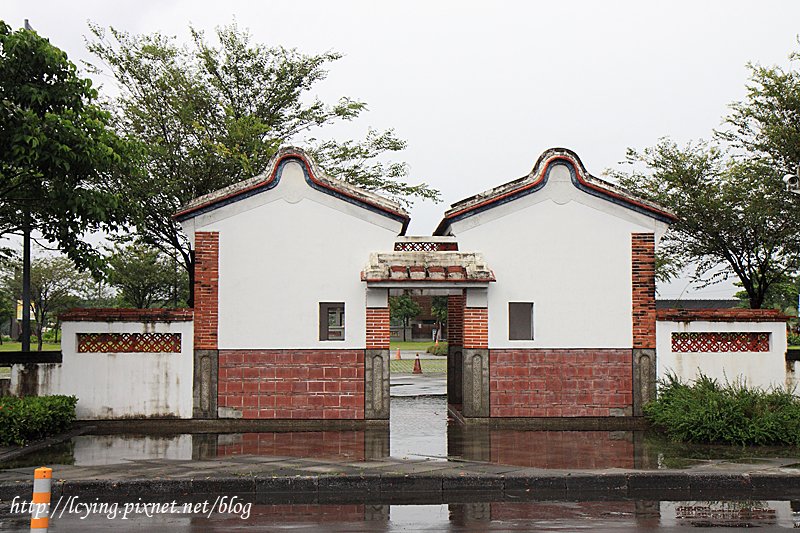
point(333, 445)
point(559, 382)
point(476, 327)
point(126, 315)
point(721, 315)
point(704, 342)
point(566, 450)
point(455, 319)
point(303, 384)
point(378, 331)
point(206, 289)
point(643, 266)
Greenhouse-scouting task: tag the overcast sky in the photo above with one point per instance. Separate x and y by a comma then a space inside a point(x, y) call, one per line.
point(480, 89)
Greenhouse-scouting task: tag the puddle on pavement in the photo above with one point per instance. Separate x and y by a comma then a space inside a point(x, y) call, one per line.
point(495, 516)
point(418, 429)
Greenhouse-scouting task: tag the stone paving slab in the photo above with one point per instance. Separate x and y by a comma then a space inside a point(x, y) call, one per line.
point(310, 481)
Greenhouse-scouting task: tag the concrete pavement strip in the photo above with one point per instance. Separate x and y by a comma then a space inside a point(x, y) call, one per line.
point(398, 481)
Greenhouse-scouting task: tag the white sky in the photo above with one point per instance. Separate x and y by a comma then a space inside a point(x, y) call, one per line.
point(481, 89)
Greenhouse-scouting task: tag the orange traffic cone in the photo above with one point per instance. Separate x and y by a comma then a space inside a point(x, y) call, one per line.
point(397, 356)
point(417, 366)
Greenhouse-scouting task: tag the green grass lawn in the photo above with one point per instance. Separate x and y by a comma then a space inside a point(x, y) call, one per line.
point(5, 372)
point(8, 346)
point(429, 366)
point(419, 346)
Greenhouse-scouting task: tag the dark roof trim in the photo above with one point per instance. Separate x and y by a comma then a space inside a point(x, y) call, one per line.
point(274, 178)
point(524, 186)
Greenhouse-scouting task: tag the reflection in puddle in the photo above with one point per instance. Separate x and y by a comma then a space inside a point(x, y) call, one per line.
point(495, 516)
point(418, 429)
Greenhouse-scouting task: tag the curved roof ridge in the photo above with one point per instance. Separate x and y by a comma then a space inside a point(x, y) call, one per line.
point(266, 180)
point(536, 178)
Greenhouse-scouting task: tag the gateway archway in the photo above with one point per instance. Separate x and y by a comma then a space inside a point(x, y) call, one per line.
point(435, 264)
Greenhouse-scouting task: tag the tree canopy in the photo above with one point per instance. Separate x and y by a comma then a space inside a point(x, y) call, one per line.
point(735, 215)
point(210, 115)
point(60, 162)
point(145, 277)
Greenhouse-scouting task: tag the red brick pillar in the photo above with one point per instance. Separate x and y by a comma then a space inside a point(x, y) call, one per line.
point(378, 328)
point(206, 319)
point(475, 371)
point(455, 319)
point(643, 265)
point(376, 363)
point(476, 327)
point(206, 289)
point(455, 347)
point(643, 313)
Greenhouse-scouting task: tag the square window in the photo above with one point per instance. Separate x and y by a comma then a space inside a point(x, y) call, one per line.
point(520, 321)
point(331, 321)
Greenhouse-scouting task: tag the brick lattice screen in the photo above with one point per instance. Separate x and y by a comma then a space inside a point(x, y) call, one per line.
point(129, 343)
point(700, 342)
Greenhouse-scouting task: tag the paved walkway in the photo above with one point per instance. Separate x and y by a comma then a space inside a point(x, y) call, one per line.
point(289, 479)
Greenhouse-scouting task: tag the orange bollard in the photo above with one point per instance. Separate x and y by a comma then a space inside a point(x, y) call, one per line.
point(417, 366)
point(397, 356)
point(40, 508)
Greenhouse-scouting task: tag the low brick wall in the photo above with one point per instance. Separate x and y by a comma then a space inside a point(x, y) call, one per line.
point(560, 382)
point(293, 384)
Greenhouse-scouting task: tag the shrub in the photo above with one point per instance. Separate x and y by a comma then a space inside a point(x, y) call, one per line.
point(441, 349)
point(707, 412)
point(793, 339)
point(34, 417)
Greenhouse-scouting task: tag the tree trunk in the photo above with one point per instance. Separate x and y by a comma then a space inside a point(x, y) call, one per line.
point(190, 269)
point(26, 285)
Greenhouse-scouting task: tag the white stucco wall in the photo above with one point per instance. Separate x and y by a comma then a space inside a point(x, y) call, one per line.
point(567, 252)
point(118, 385)
point(761, 369)
point(284, 251)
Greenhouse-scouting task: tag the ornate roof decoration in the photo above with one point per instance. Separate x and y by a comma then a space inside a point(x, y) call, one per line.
point(315, 178)
point(537, 179)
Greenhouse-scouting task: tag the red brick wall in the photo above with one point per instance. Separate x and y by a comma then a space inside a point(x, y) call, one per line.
point(563, 382)
point(348, 445)
point(378, 331)
point(643, 266)
point(561, 449)
point(206, 289)
point(455, 319)
point(303, 384)
point(476, 327)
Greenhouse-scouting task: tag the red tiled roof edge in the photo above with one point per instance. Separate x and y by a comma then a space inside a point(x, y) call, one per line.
point(127, 315)
point(535, 178)
point(720, 315)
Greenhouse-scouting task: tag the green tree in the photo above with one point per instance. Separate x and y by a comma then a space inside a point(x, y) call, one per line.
point(145, 277)
point(734, 215)
point(766, 124)
point(439, 312)
point(60, 162)
point(403, 308)
point(56, 286)
point(212, 115)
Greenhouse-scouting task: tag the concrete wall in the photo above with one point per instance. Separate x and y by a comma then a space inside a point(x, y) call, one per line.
point(762, 369)
point(119, 385)
point(567, 252)
point(284, 251)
